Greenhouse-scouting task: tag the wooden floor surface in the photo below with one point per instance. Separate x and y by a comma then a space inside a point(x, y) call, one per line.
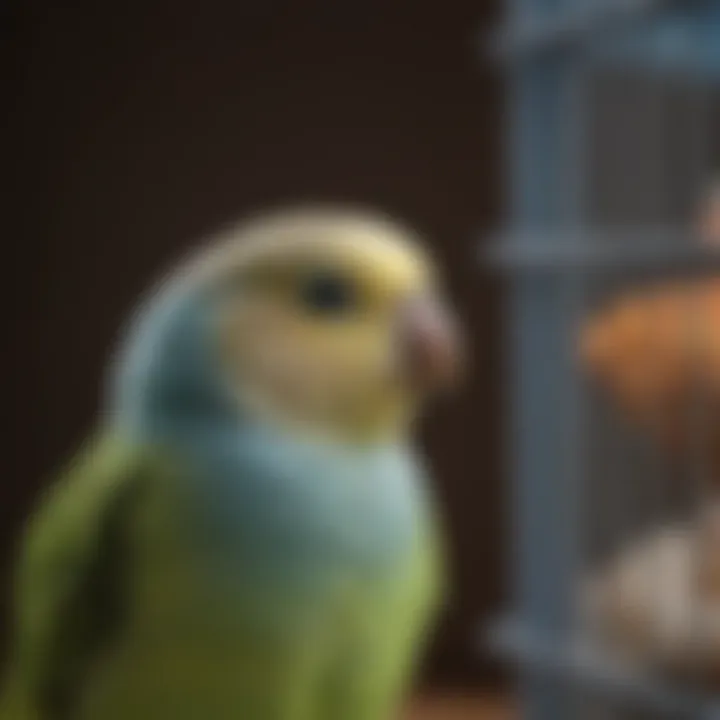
point(459, 707)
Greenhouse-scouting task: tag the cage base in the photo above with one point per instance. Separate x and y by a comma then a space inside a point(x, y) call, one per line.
point(588, 668)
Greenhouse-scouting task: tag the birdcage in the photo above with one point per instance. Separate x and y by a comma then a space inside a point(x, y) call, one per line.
point(614, 142)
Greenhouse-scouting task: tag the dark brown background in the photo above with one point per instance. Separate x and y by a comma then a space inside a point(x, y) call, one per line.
point(131, 133)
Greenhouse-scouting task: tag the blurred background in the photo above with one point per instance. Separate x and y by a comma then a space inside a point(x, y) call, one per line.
point(137, 128)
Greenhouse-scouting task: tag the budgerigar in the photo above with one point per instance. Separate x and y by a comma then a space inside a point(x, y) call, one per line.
point(249, 535)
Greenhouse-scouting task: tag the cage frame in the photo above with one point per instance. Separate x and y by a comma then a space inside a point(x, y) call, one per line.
point(545, 46)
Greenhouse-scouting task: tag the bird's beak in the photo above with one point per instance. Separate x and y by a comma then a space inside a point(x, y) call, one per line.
point(431, 349)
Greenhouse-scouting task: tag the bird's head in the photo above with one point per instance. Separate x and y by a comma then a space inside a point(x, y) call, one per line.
point(326, 320)
point(656, 353)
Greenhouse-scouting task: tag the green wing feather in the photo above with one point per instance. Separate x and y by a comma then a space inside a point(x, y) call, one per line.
point(69, 587)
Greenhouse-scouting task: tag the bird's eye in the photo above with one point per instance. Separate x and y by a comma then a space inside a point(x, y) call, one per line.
point(328, 294)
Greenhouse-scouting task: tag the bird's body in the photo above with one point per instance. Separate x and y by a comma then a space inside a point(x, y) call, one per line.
point(202, 561)
point(656, 603)
point(655, 352)
point(242, 576)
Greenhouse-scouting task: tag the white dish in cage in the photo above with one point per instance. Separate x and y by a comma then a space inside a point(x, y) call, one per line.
point(657, 604)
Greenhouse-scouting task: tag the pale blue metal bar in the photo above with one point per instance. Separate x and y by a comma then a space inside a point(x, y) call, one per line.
point(541, 158)
point(684, 40)
point(662, 35)
point(601, 252)
point(571, 24)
